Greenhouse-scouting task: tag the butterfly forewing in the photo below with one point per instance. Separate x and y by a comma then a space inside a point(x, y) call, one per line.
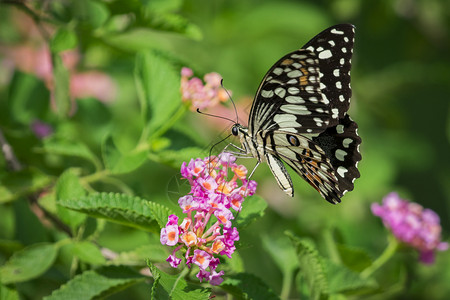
point(289, 97)
point(334, 49)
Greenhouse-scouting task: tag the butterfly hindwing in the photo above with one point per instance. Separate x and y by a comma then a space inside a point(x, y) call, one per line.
point(306, 158)
point(341, 145)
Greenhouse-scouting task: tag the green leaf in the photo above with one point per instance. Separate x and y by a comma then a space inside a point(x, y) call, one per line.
point(97, 284)
point(354, 258)
point(28, 263)
point(138, 256)
point(343, 280)
point(312, 268)
point(59, 146)
point(68, 187)
point(22, 183)
point(118, 162)
point(28, 98)
point(252, 208)
point(61, 91)
point(175, 158)
point(247, 286)
point(175, 287)
point(282, 252)
point(158, 88)
point(93, 13)
point(7, 293)
point(123, 209)
point(89, 253)
point(62, 40)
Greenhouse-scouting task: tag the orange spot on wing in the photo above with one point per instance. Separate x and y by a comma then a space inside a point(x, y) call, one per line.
point(287, 62)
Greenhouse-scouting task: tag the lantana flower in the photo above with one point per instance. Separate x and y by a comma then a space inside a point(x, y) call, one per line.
point(411, 224)
point(218, 186)
point(201, 96)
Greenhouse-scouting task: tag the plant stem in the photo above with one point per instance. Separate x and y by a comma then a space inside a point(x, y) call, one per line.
point(383, 258)
point(286, 285)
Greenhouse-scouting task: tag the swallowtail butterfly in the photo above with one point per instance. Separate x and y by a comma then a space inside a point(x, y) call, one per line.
point(299, 116)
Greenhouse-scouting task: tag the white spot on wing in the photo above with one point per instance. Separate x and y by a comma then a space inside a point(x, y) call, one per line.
point(266, 94)
point(325, 54)
point(277, 71)
point(280, 92)
point(294, 99)
point(335, 31)
point(340, 154)
point(294, 74)
point(341, 171)
point(346, 142)
point(340, 128)
point(295, 109)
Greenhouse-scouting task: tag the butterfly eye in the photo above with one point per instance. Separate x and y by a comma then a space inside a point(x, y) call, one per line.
point(234, 131)
point(293, 140)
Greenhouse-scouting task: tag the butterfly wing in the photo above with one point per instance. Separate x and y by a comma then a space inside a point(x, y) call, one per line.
point(308, 90)
point(289, 97)
point(327, 162)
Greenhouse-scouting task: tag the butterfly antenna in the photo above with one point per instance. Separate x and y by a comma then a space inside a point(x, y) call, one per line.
point(210, 115)
point(231, 99)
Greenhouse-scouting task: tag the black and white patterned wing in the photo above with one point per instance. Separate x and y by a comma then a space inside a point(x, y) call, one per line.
point(289, 97)
point(327, 162)
point(334, 49)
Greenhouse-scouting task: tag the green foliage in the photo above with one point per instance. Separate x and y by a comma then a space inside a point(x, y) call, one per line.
point(28, 263)
point(167, 286)
point(75, 220)
point(98, 283)
point(120, 208)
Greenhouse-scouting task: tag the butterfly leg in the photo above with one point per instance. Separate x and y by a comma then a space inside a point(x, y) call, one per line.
point(253, 171)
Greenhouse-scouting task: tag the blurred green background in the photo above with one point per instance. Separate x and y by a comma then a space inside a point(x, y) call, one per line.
point(401, 88)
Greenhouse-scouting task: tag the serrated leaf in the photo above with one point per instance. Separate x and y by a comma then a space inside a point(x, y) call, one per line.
point(175, 287)
point(89, 253)
point(123, 209)
point(354, 258)
point(21, 183)
point(252, 208)
point(55, 145)
point(63, 39)
point(68, 187)
point(7, 293)
point(28, 263)
point(117, 162)
point(247, 286)
point(61, 90)
point(342, 280)
point(158, 88)
point(311, 268)
point(97, 284)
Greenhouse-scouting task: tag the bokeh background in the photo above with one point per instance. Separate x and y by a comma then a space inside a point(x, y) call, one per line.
point(401, 88)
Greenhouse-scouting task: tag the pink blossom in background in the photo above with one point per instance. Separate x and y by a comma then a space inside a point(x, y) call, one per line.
point(412, 224)
point(41, 129)
point(213, 196)
point(201, 95)
point(33, 56)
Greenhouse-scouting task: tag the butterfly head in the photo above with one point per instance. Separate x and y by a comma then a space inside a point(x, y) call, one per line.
point(238, 130)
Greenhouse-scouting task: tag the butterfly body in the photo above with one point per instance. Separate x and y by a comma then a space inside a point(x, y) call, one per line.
point(299, 116)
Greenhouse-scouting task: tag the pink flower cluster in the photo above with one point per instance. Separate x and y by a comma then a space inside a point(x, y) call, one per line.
point(412, 224)
point(199, 95)
point(212, 194)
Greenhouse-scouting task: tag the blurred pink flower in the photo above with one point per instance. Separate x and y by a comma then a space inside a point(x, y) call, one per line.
point(33, 56)
point(198, 95)
point(412, 224)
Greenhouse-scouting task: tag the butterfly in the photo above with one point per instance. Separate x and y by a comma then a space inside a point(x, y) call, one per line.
point(299, 116)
